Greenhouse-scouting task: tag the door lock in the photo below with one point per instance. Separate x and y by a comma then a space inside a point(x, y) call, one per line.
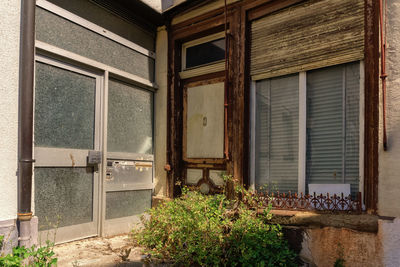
point(94, 157)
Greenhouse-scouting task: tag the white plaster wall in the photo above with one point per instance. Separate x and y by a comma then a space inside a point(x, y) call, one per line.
point(160, 109)
point(389, 232)
point(389, 161)
point(9, 73)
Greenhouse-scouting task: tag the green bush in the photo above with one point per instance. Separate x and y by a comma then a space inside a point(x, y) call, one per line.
point(201, 230)
point(42, 256)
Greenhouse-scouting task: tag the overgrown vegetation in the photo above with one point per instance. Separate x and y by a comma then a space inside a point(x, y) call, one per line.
point(42, 256)
point(203, 230)
point(340, 262)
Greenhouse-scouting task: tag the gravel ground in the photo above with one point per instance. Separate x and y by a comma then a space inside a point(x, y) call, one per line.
point(99, 251)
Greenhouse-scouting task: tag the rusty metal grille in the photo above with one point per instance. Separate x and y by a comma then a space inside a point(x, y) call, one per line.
point(282, 201)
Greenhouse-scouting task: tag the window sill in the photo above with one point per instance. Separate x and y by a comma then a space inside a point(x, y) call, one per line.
point(359, 222)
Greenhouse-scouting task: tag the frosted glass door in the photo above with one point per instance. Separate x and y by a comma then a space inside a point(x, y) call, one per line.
point(129, 180)
point(66, 128)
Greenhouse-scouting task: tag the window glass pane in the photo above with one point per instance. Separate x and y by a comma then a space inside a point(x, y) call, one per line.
point(277, 127)
point(63, 196)
point(352, 168)
point(64, 108)
point(127, 203)
point(57, 31)
point(130, 119)
point(205, 53)
point(332, 125)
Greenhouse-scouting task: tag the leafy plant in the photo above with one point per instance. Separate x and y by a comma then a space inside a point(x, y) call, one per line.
point(1, 241)
point(203, 230)
point(340, 260)
point(42, 256)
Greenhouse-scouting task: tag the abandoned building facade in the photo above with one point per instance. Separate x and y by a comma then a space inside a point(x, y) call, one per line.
point(108, 107)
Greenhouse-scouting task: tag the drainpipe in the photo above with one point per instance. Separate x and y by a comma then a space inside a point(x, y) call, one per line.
point(383, 76)
point(25, 131)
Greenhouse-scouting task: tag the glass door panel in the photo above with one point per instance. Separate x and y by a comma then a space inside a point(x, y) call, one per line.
point(129, 179)
point(66, 128)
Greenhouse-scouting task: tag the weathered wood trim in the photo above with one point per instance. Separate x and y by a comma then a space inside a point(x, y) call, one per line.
point(213, 13)
point(212, 78)
point(170, 86)
point(240, 15)
point(204, 77)
point(269, 7)
point(244, 81)
point(175, 130)
point(371, 105)
point(198, 30)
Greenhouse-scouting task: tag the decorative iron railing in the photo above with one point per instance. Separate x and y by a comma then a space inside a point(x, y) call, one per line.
point(282, 201)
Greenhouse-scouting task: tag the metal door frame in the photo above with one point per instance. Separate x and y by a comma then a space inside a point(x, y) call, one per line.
point(64, 157)
point(124, 224)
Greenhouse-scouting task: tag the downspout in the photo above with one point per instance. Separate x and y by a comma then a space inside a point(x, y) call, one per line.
point(383, 76)
point(25, 131)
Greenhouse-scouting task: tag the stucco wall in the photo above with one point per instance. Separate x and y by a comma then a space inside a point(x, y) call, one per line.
point(9, 73)
point(160, 108)
point(389, 232)
point(323, 246)
point(389, 167)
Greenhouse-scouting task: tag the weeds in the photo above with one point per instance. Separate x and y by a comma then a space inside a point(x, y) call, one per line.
point(38, 256)
point(204, 230)
point(42, 256)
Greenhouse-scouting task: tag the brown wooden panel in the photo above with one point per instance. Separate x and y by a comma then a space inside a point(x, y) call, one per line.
point(371, 105)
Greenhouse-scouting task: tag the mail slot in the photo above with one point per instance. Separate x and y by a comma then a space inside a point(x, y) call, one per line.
point(129, 175)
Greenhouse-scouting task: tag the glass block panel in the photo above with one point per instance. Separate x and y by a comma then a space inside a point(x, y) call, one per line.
point(63, 196)
point(64, 108)
point(127, 203)
point(130, 119)
point(205, 53)
point(57, 31)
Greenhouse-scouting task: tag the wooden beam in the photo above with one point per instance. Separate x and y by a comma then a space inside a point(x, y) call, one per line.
point(371, 105)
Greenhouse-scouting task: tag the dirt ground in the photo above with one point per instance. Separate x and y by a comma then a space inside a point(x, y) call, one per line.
point(99, 251)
